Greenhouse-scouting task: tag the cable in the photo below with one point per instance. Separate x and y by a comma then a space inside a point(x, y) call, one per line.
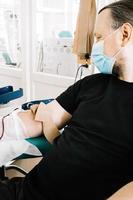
point(3, 127)
point(87, 56)
point(81, 73)
point(77, 73)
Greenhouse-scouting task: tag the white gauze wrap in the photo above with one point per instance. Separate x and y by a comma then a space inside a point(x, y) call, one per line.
point(14, 128)
point(13, 143)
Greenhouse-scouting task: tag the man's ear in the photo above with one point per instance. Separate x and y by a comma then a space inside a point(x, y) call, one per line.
point(127, 31)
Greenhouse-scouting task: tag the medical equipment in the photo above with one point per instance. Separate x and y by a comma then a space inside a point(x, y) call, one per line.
point(7, 94)
point(87, 57)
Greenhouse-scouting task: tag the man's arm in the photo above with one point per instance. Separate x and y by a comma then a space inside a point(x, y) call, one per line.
point(53, 117)
point(125, 193)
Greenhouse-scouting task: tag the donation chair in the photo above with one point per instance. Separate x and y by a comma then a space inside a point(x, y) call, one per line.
point(40, 142)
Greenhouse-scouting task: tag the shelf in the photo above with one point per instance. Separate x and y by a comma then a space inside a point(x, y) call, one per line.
point(52, 79)
point(10, 71)
point(39, 84)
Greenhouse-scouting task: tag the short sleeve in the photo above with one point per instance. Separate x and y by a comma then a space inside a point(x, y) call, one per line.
point(68, 99)
point(72, 96)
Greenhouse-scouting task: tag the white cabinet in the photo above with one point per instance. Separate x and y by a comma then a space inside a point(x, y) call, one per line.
point(44, 32)
point(54, 64)
point(11, 72)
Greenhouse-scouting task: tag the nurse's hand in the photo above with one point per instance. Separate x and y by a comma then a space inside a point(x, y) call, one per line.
point(34, 108)
point(53, 118)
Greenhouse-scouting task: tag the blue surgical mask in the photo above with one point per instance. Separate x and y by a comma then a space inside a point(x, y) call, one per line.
point(100, 60)
point(103, 62)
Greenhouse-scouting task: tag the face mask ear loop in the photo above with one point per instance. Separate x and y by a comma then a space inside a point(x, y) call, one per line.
point(116, 54)
point(110, 36)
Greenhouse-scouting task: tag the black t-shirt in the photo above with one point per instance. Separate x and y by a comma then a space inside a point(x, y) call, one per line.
point(94, 154)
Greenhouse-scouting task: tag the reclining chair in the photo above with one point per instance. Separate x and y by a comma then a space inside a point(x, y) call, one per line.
point(6, 95)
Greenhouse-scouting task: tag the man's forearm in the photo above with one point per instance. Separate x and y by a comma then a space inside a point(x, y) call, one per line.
point(50, 129)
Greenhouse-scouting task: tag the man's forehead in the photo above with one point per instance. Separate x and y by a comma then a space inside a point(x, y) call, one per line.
point(103, 22)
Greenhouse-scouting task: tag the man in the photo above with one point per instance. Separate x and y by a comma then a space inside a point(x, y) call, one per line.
point(92, 158)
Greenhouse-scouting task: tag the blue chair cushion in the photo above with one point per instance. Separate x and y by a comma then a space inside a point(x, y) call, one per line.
point(27, 105)
point(40, 142)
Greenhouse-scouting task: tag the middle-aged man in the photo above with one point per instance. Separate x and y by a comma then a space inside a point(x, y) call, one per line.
point(93, 157)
